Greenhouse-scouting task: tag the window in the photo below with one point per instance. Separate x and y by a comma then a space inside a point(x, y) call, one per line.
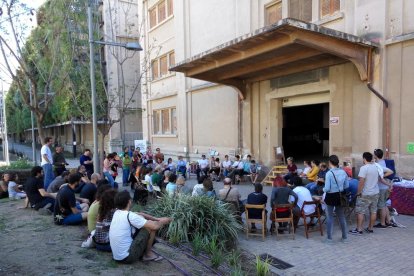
point(329, 7)
point(300, 9)
point(159, 66)
point(165, 121)
point(273, 13)
point(160, 12)
point(62, 130)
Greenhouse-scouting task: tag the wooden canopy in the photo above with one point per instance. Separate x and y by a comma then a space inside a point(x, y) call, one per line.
point(287, 47)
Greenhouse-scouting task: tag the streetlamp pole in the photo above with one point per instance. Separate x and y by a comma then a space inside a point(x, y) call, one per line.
point(96, 162)
point(33, 131)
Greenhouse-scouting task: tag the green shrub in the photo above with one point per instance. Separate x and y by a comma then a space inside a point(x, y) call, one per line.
point(262, 267)
point(204, 216)
point(21, 163)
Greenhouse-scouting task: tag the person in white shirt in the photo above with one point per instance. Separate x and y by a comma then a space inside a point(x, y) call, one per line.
point(226, 165)
point(202, 166)
point(47, 161)
point(13, 188)
point(148, 179)
point(131, 235)
point(237, 169)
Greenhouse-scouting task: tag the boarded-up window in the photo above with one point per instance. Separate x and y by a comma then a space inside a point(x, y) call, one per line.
point(171, 59)
point(153, 17)
point(163, 66)
point(329, 7)
point(166, 122)
point(156, 121)
point(162, 12)
point(154, 68)
point(273, 13)
point(170, 7)
point(300, 9)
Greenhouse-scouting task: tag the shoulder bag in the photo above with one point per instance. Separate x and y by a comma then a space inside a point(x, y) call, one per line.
point(338, 198)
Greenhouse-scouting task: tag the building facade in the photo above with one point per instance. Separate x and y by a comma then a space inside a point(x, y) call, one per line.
point(316, 77)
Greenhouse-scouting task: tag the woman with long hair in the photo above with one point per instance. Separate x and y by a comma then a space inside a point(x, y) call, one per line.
point(103, 222)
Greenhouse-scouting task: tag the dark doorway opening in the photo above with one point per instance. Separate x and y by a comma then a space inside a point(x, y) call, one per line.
point(306, 131)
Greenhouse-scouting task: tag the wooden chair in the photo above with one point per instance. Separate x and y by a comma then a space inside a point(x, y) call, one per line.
point(288, 219)
point(315, 214)
point(262, 220)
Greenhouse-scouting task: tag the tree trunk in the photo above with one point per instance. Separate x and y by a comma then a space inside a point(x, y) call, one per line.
point(40, 129)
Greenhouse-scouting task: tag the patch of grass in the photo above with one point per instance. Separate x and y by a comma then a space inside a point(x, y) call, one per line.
point(262, 267)
point(237, 271)
point(112, 264)
point(233, 258)
point(197, 244)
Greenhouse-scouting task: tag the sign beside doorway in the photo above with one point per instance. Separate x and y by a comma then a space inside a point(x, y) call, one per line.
point(334, 121)
point(410, 147)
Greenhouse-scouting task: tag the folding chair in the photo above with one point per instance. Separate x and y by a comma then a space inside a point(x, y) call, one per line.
point(262, 220)
point(288, 219)
point(350, 209)
point(315, 214)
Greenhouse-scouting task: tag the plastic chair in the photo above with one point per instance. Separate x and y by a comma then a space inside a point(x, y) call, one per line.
point(288, 219)
point(315, 214)
point(262, 220)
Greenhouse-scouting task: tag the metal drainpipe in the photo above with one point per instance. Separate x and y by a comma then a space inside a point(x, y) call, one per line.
point(240, 120)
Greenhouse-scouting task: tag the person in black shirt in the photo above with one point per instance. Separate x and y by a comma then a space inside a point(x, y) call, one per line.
point(37, 196)
point(86, 161)
point(256, 198)
point(89, 189)
point(67, 211)
point(59, 161)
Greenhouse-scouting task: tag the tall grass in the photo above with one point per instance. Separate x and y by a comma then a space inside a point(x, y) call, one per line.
point(262, 267)
point(200, 217)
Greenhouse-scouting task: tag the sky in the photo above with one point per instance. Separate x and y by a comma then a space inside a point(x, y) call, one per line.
point(3, 76)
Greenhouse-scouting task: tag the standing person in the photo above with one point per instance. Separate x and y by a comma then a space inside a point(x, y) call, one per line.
point(226, 165)
point(336, 181)
point(87, 161)
point(182, 167)
point(126, 167)
point(67, 211)
point(39, 199)
point(107, 168)
point(256, 198)
point(131, 235)
point(368, 193)
point(47, 161)
point(59, 161)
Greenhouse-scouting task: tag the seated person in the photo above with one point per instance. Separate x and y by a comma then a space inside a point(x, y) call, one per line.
point(166, 180)
point(256, 198)
point(236, 169)
point(308, 168)
point(181, 167)
point(4, 188)
point(303, 195)
point(15, 191)
point(215, 168)
point(316, 187)
point(157, 177)
point(84, 178)
point(254, 172)
point(131, 235)
point(93, 209)
point(312, 175)
point(54, 186)
point(291, 167)
point(171, 166)
point(295, 180)
point(104, 218)
point(38, 198)
point(181, 187)
point(198, 189)
point(226, 165)
point(171, 187)
point(67, 211)
point(209, 188)
point(281, 195)
point(231, 195)
point(202, 166)
point(89, 189)
point(246, 166)
point(279, 181)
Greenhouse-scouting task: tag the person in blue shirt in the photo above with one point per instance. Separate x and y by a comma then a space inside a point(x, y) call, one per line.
point(181, 166)
point(316, 187)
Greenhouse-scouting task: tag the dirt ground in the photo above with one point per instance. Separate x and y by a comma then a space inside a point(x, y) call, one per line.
point(31, 244)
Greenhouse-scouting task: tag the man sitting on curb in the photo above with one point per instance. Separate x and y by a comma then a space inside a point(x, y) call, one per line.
point(132, 235)
point(67, 211)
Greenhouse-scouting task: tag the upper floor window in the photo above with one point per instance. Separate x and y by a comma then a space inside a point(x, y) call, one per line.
point(160, 12)
point(160, 65)
point(300, 9)
point(273, 12)
point(329, 7)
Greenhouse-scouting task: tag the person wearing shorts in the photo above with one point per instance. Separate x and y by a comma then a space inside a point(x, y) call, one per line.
point(132, 235)
point(368, 194)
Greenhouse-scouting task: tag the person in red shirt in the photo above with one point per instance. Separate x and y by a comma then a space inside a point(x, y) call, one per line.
point(291, 167)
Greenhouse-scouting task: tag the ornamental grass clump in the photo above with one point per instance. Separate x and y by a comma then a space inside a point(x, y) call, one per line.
point(200, 217)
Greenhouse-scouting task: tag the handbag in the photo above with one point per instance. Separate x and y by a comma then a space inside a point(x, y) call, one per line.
point(338, 198)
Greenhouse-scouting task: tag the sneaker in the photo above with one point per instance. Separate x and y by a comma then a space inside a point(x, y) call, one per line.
point(355, 232)
point(392, 224)
point(344, 240)
point(369, 231)
point(380, 226)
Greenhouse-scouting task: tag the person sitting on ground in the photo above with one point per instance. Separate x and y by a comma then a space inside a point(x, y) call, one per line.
point(104, 218)
point(38, 198)
point(209, 188)
point(198, 189)
point(4, 188)
point(67, 211)
point(59, 161)
point(254, 171)
point(291, 168)
point(226, 166)
point(236, 169)
point(303, 195)
point(157, 177)
point(256, 198)
point(308, 168)
point(148, 179)
point(89, 189)
point(93, 209)
point(214, 171)
point(312, 175)
point(57, 182)
point(84, 178)
point(131, 235)
point(181, 167)
point(107, 165)
point(15, 191)
point(316, 187)
point(202, 166)
point(281, 195)
point(166, 180)
point(181, 187)
point(171, 188)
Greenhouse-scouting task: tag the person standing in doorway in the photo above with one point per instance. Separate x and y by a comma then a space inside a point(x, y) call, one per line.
point(47, 161)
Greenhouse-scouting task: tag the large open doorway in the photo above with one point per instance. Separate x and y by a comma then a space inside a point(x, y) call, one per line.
point(306, 131)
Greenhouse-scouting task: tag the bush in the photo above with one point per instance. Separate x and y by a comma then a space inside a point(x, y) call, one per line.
point(196, 217)
point(21, 163)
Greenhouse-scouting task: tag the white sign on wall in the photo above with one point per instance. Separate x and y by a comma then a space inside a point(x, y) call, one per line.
point(141, 144)
point(334, 121)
